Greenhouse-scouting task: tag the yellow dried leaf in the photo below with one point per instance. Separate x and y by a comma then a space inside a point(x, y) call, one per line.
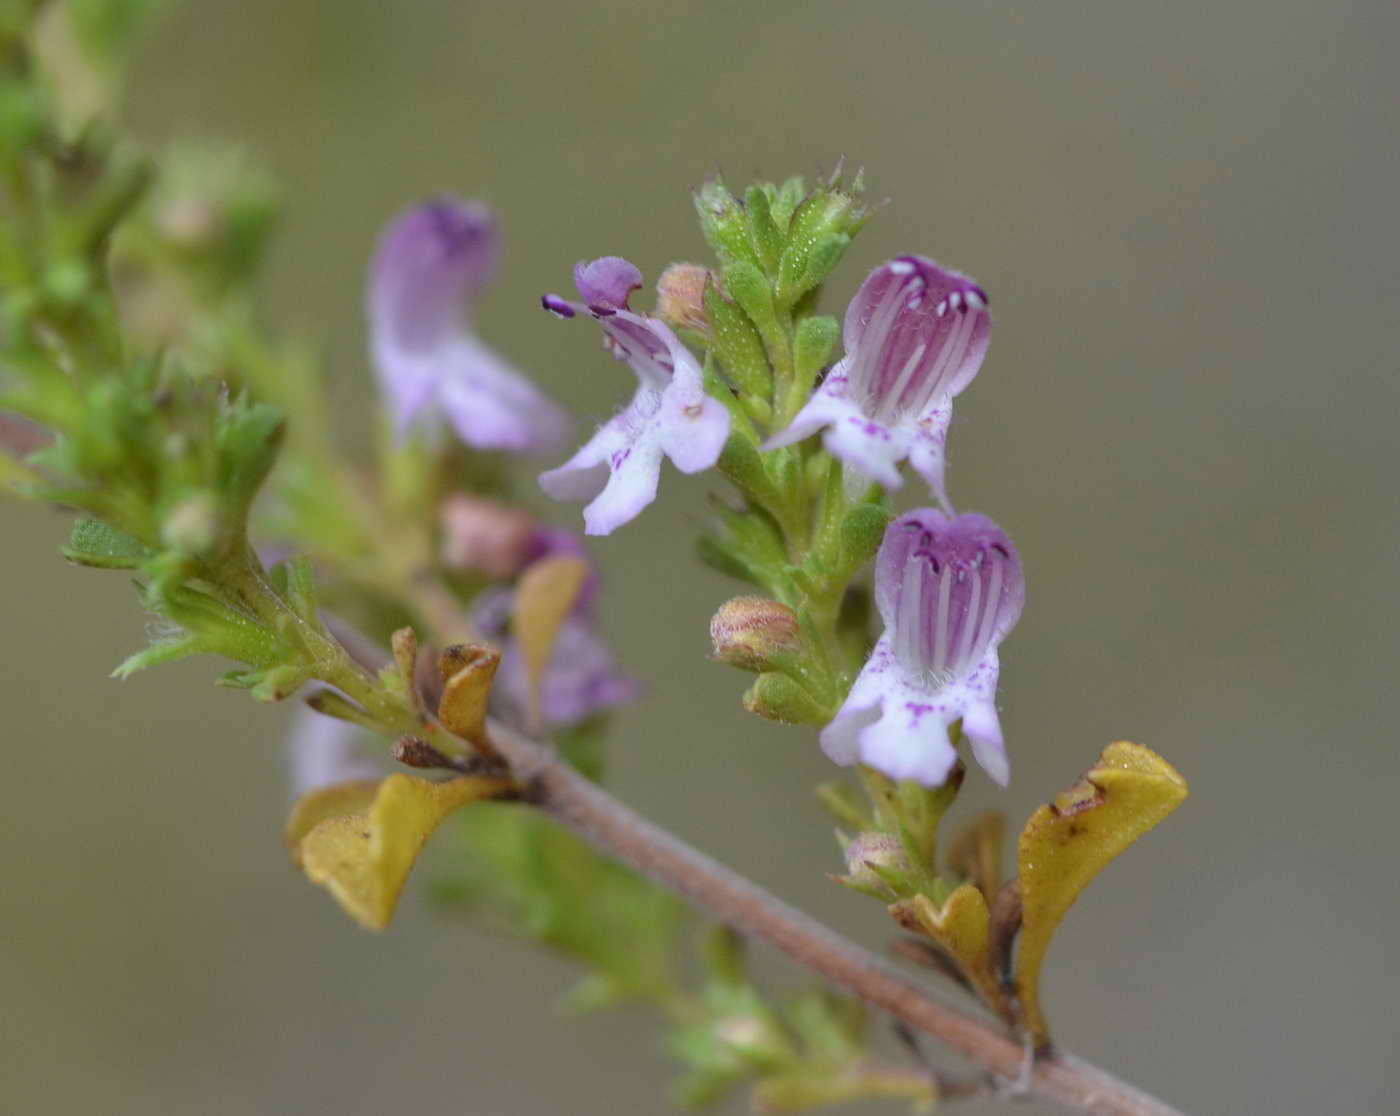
point(364, 852)
point(546, 595)
point(335, 801)
point(962, 930)
point(1068, 842)
point(468, 669)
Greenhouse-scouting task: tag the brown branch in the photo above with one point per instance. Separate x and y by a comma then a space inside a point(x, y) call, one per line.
point(621, 832)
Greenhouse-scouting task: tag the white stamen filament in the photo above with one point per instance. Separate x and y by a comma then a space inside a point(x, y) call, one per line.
point(940, 641)
point(872, 344)
point(969, 624)
point(907, 636)
point(984, 636)
point(889, 405)
point(953, 349)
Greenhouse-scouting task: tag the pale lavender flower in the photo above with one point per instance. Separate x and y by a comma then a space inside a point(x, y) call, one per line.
point(915, 335)
point(581, 679)
point(432, 263)
point(670, 415)
point(949, 590)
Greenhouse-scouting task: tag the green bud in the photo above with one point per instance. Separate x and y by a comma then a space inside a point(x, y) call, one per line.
point(249, 437)
point(826, 254)
point(862, 531)
point(820, 230)
point(749, 287)
point(812, 346)
point(779, 698)
point(767, 240)
point(724, 223)
point(789, 196)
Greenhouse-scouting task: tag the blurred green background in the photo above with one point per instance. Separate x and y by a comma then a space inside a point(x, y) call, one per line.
point(1185, 213)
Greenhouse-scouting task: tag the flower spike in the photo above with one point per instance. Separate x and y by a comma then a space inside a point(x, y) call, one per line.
point(670, 415)
point(949, 590)
point(431, 260)
point(915, 336)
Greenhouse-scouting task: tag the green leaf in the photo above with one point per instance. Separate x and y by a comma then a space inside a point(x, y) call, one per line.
point(736, 344)
point(779, 697)
point(94, 543)
point(555, 889)
point(1067, 842)
point(767, 240)
point(750, 547)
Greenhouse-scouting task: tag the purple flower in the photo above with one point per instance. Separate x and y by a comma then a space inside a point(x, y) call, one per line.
point(669, 416)
point(431, 261)
point(582, 677)
point(949, 590)
point(915, 336)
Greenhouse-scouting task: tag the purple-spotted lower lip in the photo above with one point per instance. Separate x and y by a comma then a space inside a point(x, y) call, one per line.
point(557, 306)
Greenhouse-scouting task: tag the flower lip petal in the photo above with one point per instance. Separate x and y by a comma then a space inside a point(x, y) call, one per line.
point(949, 589)
point(606, 283)
point(917, 334)
point(429, 261)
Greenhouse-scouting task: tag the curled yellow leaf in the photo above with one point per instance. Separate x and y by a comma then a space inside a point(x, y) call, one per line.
point(962, 929)
point(1067, 842)
point(360, 840)
point(468, 669)
point(546, 595)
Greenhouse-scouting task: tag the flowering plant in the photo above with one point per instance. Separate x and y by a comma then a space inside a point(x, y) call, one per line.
point(423, 601)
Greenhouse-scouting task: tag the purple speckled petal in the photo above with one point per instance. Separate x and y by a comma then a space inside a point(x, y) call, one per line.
point(669, 415)
point(891, 723)
point(926, 452)
point(916, 333)
point(606, 283)
point(581, 679)
point(949, 590)
point(829, 403)
point(982, 727)
point(432, 261)
point(491, 406)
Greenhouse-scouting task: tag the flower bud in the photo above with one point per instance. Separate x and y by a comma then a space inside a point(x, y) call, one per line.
point(752, 632)
point(192, 525)
point(871, 854)
point(485, 537)
point(680, 297)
